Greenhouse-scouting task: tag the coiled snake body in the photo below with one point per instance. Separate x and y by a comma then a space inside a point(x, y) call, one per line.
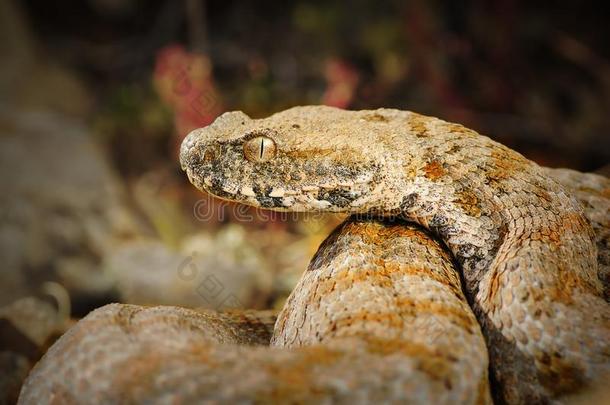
point(383, 298)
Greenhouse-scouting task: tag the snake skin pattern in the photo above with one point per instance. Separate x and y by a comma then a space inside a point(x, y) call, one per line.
point(593, 193)
point(379, 326)
point(380, 314)
point(527, 254)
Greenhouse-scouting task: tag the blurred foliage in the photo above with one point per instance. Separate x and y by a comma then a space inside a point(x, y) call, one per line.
point(532, 76)
point(134, 124)
point(133, 105)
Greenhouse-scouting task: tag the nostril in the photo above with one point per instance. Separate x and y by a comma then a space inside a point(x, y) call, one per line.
point(209, 154)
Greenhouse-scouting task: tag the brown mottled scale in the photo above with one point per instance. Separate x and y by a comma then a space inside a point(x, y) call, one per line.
point(593, 193)
point(379, 316)
point(527, 253)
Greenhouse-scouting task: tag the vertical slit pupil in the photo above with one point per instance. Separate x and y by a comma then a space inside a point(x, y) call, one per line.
point(261, 148)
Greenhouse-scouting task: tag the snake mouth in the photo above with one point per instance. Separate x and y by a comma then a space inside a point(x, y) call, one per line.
point(305, 199)
point(248, 188)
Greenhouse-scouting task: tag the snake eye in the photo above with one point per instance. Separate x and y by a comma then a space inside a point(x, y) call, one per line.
point(259, 149)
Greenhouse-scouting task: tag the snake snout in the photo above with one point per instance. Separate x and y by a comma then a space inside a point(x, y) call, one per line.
point(192, 146)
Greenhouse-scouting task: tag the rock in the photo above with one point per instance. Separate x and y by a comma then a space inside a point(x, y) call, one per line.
point(60, 204)
point(219, 271)
point(27, 326)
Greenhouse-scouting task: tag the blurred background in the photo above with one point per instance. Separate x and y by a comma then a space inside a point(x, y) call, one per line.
point(97, 95)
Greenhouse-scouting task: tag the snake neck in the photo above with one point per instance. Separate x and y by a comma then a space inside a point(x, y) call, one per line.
point(497, 212)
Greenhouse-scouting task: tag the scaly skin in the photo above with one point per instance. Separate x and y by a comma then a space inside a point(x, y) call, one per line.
point(593, 193)
point(389, 324)
point(527, 254)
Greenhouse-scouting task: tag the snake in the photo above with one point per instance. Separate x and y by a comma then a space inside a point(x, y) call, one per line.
point(467, 273)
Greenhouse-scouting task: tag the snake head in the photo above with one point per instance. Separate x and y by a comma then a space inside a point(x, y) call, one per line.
point(288, 161)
